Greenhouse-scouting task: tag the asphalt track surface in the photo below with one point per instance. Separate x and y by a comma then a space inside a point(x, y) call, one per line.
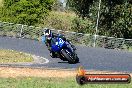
point(90, 58)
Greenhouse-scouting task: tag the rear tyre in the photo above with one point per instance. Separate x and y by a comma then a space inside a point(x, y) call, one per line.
point(68, 57)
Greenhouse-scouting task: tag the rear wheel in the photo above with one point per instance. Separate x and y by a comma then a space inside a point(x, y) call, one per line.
point(70, 58)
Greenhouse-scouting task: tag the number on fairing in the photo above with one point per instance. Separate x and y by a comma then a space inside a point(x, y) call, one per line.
point(61, 41)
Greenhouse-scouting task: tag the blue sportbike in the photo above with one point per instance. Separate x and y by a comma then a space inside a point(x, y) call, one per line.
point(64, 50)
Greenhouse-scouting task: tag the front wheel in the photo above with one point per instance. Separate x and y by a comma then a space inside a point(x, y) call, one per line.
point(71, 59)
point(77, 59)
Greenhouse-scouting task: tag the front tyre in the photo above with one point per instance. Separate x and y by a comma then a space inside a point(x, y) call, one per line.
point(77, 59)
point(69, 57)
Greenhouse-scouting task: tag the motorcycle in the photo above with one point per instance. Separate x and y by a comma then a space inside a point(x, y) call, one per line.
point(65, 51)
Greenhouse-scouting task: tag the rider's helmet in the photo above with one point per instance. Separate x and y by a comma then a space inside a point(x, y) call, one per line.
point(48, 33)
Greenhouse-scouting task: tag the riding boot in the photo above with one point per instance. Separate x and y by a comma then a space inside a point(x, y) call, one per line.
point(52, 54)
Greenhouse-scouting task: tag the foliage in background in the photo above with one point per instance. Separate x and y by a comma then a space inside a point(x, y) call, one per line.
point(58, 20)
point(115, 15)
point(27, 12)
point(67, 21)
point(82, 25)
point(58, 6)
point(116, 19)
point(1, 3)
point(81, 7)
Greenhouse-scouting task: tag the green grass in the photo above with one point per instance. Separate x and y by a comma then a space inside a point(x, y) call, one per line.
point(33, 82)
point(9, 56)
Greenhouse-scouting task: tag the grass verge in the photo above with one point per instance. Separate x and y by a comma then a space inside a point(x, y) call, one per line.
point(10, 56)
point(48, 78)
point(36, 82)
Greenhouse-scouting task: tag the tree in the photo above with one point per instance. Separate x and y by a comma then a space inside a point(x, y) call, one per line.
point(115, 15)
point(81, 7)
point(58, 6)
point(27, 12)
point(116, 19)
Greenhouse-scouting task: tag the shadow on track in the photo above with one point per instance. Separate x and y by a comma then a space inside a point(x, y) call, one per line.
point(67, 62)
